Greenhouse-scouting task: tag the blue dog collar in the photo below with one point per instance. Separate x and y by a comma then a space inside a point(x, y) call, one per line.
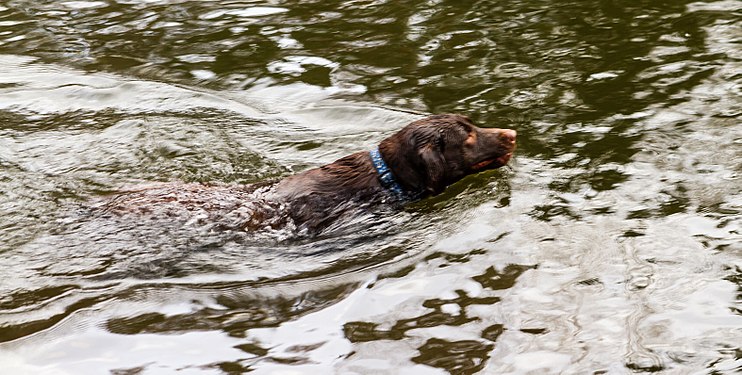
point(385, 175)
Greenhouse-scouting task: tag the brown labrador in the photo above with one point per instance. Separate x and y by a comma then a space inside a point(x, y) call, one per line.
point(421, 159)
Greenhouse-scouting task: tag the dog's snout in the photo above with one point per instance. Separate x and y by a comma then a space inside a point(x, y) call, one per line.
point(508, 135)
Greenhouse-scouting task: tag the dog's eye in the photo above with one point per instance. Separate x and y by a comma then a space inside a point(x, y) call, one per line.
point(471, 139)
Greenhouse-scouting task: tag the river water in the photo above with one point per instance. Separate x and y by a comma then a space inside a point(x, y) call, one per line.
point(611, 245)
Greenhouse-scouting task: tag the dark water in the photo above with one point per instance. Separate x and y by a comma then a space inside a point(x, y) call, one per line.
point(612, 245)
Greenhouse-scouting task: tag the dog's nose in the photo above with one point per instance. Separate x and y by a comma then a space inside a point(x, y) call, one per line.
point(508, 135)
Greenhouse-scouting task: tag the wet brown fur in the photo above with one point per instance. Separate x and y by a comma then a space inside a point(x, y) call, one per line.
point(425, 157)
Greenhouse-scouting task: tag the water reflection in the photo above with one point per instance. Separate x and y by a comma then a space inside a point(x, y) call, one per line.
point(611, 246)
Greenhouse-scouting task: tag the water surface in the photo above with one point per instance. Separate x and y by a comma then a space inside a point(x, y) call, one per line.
point(610, 245)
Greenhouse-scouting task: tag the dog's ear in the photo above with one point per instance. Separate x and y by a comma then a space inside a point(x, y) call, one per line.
point(431, 155)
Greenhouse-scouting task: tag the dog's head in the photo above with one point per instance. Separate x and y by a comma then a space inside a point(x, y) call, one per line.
point(430, 154)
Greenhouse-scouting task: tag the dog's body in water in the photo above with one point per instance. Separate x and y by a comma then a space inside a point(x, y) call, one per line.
point(421, 159)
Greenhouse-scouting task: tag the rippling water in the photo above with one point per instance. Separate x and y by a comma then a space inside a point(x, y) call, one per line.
point(613, 243)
